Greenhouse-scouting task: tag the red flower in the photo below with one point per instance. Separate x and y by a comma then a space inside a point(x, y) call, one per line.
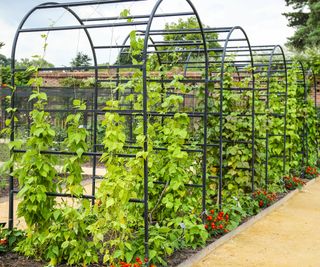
point(138, 260)
point(260, 203)
point(209, 218)
point(212, 212)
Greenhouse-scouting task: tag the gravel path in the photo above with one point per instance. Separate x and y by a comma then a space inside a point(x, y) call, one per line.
point(289, 236)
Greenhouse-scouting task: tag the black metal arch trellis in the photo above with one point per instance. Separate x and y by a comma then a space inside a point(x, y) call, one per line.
point(97, 92)
point(238, 52)
point(301, 97)
point(229, 51)
point(230, 48)
point(270, 65)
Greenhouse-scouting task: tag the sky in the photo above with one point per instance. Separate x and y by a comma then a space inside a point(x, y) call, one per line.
point(262, 20)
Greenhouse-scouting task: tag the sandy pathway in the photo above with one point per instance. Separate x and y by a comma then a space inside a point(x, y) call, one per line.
point(288, 236)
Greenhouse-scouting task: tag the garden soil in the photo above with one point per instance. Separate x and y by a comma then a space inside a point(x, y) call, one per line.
point(289, 236)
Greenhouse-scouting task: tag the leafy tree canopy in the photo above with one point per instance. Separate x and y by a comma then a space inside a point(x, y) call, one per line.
point(35, 61)
point(311, 58)
point(190, 23)
point(4, 61)
point(81, 60)
point(306, 19)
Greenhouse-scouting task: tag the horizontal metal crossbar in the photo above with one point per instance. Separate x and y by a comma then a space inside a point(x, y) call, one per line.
point(162, 15)
point(88, 26)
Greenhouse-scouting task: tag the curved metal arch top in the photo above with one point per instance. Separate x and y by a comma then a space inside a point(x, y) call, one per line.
point(243, 59)
point(42, 6)
point(125, 46)
point(240, 49)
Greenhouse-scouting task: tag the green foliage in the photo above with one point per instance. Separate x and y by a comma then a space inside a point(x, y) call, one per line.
point(175, 56)
point(174, 214)
point(305, 19)
point(21, 78)
point(81, 60)
point(9, 238)
point(35, 170)
point(77, 83)
point(36, 61)
point(56, 231)
point(4, 61)
point(310, 58)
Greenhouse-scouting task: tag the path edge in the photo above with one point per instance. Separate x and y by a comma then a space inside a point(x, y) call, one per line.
point(211, 247)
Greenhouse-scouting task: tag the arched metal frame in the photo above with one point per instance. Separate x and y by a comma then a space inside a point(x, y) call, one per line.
point(96, 111)
point(301, 100)
point(283, 68)
point(236, 51)
point(270, 62)
point(220, 58)
point(266, 60)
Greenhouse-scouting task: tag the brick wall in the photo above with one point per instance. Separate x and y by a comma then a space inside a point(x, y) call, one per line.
point(318, 92)
point(53, 79)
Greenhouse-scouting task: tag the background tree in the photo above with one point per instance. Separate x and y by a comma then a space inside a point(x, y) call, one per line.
point(37, 62)
point(4, 61)
point(176, 55)
point(306, 19)
point(81, 60)
point(21, 77)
